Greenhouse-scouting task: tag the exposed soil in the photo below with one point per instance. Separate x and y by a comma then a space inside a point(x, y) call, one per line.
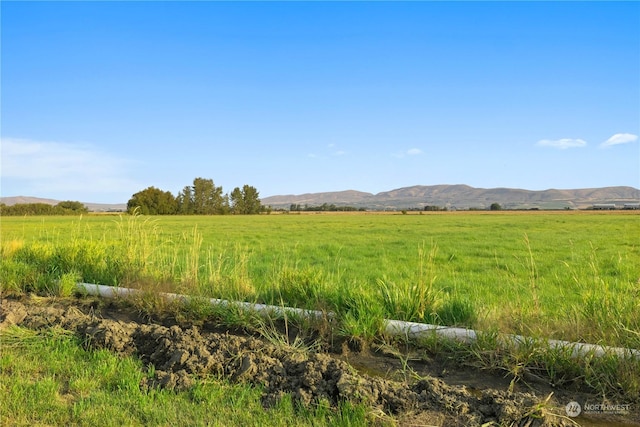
point(414, 389)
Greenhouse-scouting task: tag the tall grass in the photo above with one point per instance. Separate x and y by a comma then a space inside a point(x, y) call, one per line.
point(563, 276)
point(415, 299)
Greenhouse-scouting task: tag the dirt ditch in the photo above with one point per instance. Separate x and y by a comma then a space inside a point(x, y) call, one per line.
point(436, 393)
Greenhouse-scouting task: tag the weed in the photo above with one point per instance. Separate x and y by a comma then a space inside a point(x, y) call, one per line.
point(266, 327)
point(415, 299)
point(66, 285)
point(456, 311)
point(359, 315)
point(533, 275)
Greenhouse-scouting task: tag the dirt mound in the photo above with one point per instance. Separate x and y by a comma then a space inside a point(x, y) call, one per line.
point(181, 353)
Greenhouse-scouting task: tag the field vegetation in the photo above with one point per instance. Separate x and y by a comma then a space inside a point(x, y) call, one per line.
point(566, 275)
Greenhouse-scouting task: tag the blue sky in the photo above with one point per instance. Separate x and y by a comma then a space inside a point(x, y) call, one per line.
point(103, 99)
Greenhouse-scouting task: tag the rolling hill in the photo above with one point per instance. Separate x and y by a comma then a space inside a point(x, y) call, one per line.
point(93, 207)
point(463, 197)
point(419, 196)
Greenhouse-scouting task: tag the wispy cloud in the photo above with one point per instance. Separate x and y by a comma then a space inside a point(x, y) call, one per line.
point(331, 150)
point(562, 144)
point(409, 152)
point(619, 138)
point(62, 167)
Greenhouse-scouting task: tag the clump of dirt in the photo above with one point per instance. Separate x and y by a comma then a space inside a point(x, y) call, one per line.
point(181, 353)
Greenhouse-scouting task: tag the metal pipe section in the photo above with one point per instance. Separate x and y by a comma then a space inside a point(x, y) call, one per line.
point(392, 327)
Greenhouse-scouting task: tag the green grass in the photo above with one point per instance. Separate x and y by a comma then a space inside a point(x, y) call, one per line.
point(568, 276)
point(47, 378)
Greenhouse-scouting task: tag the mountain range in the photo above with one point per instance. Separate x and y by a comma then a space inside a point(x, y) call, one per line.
point(463, 197)
point(419, 196)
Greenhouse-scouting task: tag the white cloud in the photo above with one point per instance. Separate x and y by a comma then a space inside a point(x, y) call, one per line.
point(331, 150)
point(410, 152)
point(61, 167)
point(619, 138)
point(562, 144)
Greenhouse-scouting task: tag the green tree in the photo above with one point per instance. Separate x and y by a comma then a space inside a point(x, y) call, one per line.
point(153, 201)
point(185, 201)
point(245, 201)
point(495, 207)
point(207, 198)
point(62, 208)
point(75, 207)
point(20, 209)
point(236, 201)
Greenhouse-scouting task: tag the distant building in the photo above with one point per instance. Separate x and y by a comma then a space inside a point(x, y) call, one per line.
point(604, 206)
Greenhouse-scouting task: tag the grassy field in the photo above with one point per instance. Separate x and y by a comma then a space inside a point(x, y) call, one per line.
point(566, 275)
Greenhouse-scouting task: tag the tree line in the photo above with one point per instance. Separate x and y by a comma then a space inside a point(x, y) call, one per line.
point(67, 207)
point(201, 198)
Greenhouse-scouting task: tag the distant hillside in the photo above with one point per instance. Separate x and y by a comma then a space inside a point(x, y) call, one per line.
point(342, 198)
point(463, 197)
point(10, 201)
point(93, 207)
point(419, 196)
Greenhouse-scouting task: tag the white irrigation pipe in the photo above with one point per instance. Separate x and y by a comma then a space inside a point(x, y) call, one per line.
point(391, 327)
point(114, 292)
point(421, 330)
